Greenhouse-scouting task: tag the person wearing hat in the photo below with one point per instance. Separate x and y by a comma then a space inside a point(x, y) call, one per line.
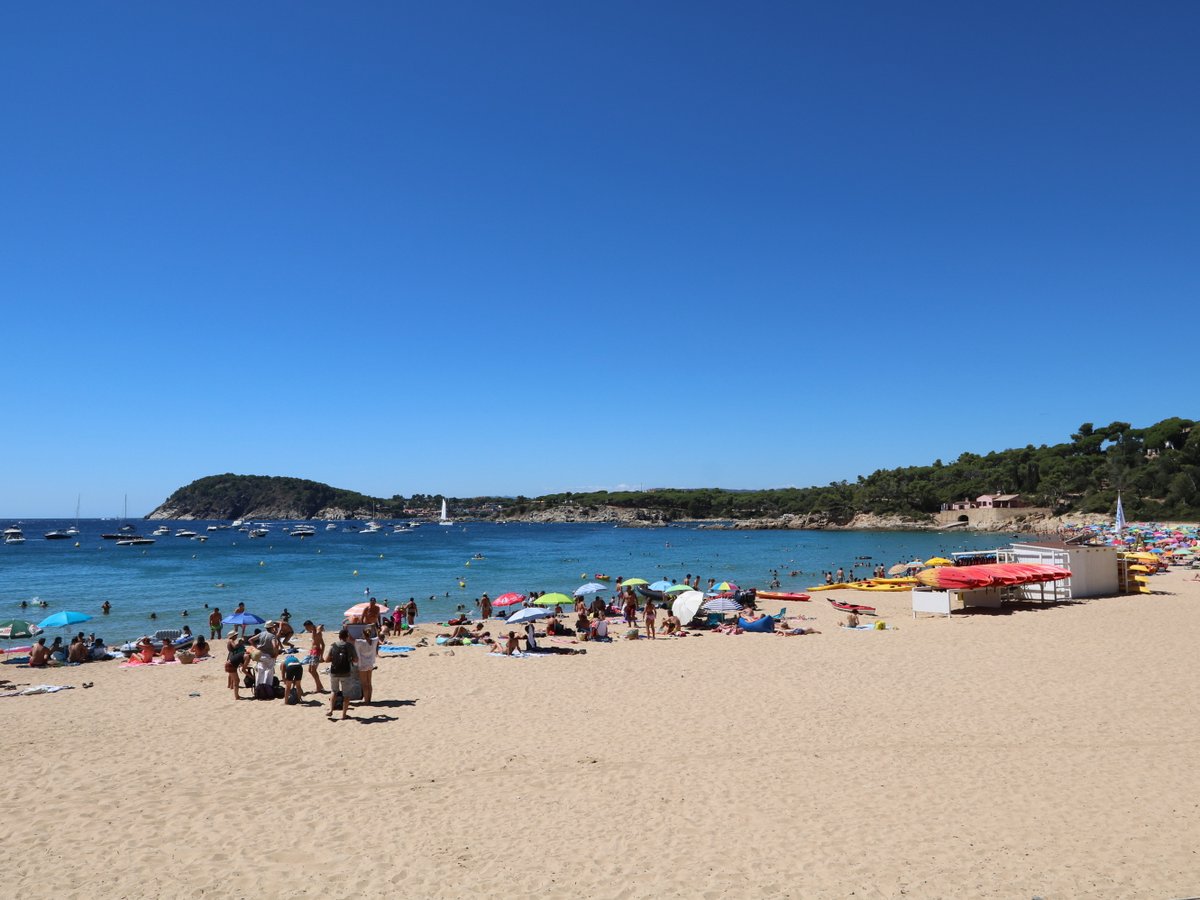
point(268, 647)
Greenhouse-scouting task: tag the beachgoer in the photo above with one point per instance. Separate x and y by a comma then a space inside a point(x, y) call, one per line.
point(200, 647)
point(214, 623)
point(78, 652)
point(241, 608)
point(39, 654)
point(365, 647)
point(851, 620)
point(599, 628)
point(630, 608)
point(841, 575)
point(650, 612)
point(316, 652)
point(268, 649)
point(671, 623)
point(168, 651)
point(342, 657)
point(235, 653)
point(512, 644)
point(485, 606)
point(146, 650)
point(293, 671)
point(370, 615)
point(410, 611)
point(104, 607)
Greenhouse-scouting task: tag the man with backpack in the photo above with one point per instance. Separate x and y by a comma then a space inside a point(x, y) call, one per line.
point(342, 658)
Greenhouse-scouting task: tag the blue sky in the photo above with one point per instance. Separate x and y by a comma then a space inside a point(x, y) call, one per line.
point(526, 247)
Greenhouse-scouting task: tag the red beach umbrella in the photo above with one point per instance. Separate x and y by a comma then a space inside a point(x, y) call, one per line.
point(509, 599)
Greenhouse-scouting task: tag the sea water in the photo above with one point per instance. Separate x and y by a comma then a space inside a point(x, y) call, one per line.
point(321, 576)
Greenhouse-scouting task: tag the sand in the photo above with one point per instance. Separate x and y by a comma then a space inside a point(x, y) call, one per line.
point(1043, 753)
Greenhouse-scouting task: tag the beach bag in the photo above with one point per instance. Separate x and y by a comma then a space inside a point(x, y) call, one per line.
point(339, 659)
point(264, 692)
point(293, 697)
point(248, 680)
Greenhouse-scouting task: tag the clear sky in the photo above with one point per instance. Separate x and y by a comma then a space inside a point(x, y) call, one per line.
point(519, 247)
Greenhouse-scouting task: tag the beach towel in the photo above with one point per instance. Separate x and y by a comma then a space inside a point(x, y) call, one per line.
point(393, 648)
point(39, 689)
point(867, 627)
point(521, 654)
point(136, 663)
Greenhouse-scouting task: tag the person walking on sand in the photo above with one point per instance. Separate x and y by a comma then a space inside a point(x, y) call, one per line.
point(410, 610)
point(214, 623)
point(370, 615)
point(630, 608)
point(649, 613)
point(365, 648)
point(341, 658)
point(485, 606)
point(315, 652)
point(235, 653)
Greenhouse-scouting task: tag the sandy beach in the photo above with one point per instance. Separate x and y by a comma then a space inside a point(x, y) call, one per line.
point(1044, 752)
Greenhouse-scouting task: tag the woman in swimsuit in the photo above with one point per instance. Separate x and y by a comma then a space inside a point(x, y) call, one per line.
point(168, 652)
point(650, 612)
point(235, 654)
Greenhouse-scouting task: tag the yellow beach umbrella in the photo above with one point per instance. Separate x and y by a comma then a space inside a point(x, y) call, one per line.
point(939, 561)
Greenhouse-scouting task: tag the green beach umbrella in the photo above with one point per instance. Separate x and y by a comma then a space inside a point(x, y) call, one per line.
point(633, 582)
point(554, 600)
point(18, 628)
point(677, 588)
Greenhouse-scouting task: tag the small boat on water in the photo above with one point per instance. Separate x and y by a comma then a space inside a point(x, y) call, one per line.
point(259, 533)
point(134, 540)
point(14, 535)
point(161, 531)
point(185, 532)
point(57, 535)
point(331, 526)
point(372, 528)
point(200, 537)
point(445, 518)
point(303, 531)
point(213, 528)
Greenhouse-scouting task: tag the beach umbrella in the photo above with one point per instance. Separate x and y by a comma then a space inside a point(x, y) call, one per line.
point(526, 615)
point(359, 608)
point(509, 599)
point(677, 589)
point(687, 605)
point(242, 619)
point(24, 649)
point(899, 569)
point(554, 600)
point(939, 561)
point(662, 585)
point(725, 586)
point(633, 582)
point(64, 618)
point(590, 588)
point(17, 628)
point(721, 605)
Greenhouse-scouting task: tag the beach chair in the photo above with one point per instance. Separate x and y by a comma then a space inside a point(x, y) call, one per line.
point(714, 619)
point(781, 615)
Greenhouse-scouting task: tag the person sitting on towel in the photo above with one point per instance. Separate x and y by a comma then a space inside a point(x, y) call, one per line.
point(599, 628)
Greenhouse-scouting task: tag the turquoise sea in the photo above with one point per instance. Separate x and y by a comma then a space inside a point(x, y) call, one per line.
point(320, 576)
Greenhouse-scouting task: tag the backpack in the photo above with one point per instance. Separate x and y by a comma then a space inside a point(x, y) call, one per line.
point(293, 697)
point(264, 692)
point(248, 680)
point(339, 659)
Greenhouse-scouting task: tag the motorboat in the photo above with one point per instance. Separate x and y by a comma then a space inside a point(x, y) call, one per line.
point(259, 532)
point(372, 528)
point(331, 526)
point(212, 528)
point(14, 535)
point(57, 535)
point(200, 537)
point(238, 523)
point(184, 532)
point(161, 531)
point(134, 540)
point(401, 529)
point(303, 531)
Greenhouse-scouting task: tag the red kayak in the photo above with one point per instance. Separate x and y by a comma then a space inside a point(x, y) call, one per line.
point(782, 595)
point(851, 607)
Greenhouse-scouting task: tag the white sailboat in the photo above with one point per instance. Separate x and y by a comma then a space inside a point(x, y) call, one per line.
point(445, 519)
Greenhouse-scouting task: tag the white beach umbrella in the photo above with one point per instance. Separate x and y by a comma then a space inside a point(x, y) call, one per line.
point(590, 588)
point(687, 605)
point(526, 615)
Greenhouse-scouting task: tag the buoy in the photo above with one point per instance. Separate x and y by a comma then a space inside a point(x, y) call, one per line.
point(467, 563)
point(381, 556)
point(356, 572)
point(262, 562)
point(77, 543)
point(462, 584)
point(318, 551)
point(583, 575)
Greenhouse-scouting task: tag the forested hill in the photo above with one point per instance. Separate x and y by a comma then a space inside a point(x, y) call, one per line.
point(1157, 469)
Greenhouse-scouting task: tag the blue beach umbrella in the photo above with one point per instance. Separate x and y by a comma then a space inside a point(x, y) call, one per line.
point(526, 615)
point(60, 619)
point(592, 588)
point(662, 585)
point(243, 619)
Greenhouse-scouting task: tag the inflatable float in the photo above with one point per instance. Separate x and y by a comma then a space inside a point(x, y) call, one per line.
point(766, 624)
